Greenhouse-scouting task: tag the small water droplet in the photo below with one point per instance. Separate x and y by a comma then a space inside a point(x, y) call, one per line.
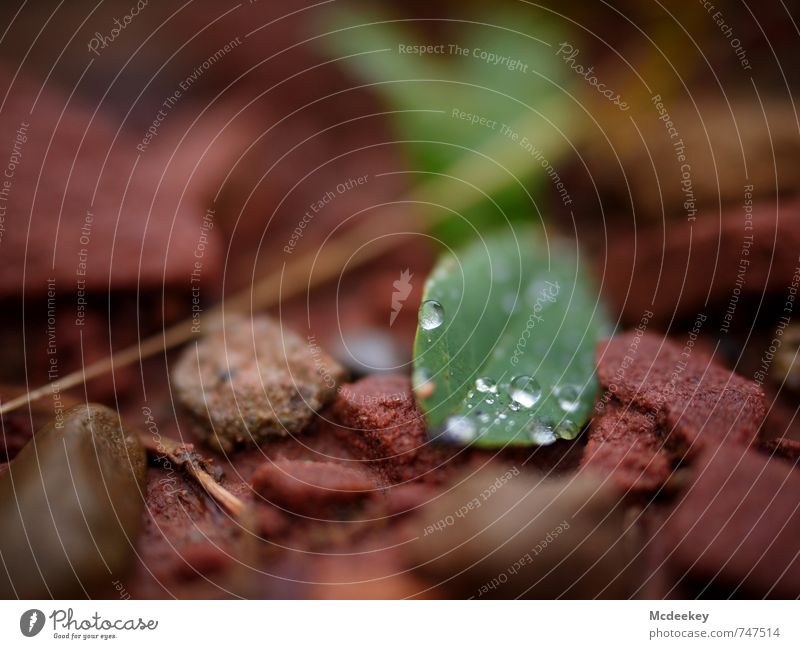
point(489, 400)
point(460, 429)
point(484, 418)
point(514, 406)
point(567, 429)
point(485, 384)
point(431, 315)
point(502, 416)
point(542, 434)
point(525, 391)
point(568, 397)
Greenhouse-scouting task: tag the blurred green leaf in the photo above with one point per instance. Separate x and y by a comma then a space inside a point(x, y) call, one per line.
point(491, 71)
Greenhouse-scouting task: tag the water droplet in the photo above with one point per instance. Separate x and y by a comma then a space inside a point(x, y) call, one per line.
point(489, 400)
point(568, 397)
point(525, 391)
point(567, 429)
point(484, 418)
point(514, 406)
point(542, 434)
point(460, 430)
point(485, 384)
point(501, 416)
point(431, 315)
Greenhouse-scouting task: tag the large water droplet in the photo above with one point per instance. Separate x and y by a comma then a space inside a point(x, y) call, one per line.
point(460, 430)
point(485, 384)
point(431, 315)
point(568, 397)
point(525, 391)
point(542, 434)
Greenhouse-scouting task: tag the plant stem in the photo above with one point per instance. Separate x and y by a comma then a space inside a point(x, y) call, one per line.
point(184, 456)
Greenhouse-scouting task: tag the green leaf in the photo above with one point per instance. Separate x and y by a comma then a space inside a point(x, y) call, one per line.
point(504, 353)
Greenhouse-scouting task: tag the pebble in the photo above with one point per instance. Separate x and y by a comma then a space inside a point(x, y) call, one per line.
point(380, 422)
point(311, 488)
point(650, 416)
point(253, 380)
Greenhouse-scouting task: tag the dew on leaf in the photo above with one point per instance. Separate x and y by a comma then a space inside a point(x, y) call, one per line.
point(525, 391)
point(460, 429)
point(568, 397)
point(567, 429)
point(485, 384)
point(431, 315)
point(542, 434)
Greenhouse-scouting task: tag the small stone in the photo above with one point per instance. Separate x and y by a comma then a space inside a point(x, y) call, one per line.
point(311, 488)
point(625, 445)
point(660, 407)
point(380, 422)
point(252, 380)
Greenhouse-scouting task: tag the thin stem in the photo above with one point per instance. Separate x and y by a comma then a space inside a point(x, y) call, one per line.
point(184, 456)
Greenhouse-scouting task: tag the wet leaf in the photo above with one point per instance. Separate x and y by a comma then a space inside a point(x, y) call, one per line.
point(505, 345)
point(71, 507)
